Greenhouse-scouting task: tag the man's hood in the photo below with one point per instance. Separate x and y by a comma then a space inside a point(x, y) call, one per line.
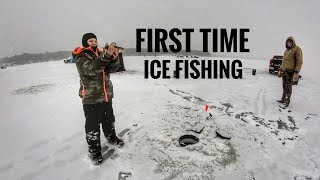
point(293, 42)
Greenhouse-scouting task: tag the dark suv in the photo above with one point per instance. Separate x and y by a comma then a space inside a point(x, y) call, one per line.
point(275, 64)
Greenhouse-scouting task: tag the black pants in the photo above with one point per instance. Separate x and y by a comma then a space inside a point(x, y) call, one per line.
point(96, 114)
point(287, 82)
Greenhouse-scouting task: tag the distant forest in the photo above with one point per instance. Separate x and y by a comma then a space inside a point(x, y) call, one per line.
point(27, 58)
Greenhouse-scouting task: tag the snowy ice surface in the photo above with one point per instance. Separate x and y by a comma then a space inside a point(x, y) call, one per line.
point(42, 126)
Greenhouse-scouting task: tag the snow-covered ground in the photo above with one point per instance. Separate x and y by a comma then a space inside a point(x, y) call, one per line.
point(42, 126)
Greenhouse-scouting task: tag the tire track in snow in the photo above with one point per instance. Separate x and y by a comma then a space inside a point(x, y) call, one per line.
point(256, 102)
point(40, 144)
point(264, 103)
point(6, 168)
point(260, 102)
point(189, 97)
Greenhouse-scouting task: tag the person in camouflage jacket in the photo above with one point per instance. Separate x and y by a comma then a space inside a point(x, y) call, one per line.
point(289, 69)
point(94, 66)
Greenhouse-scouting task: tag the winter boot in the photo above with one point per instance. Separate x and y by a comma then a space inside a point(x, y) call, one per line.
point(282, 98)
point(114, 140)
point(286, 102)
point(280, 101)
point(96, 157)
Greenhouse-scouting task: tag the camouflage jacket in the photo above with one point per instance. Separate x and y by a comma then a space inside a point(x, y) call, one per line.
point(94, 70)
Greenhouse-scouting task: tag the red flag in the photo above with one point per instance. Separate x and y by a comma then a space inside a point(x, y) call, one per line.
point(207, 108)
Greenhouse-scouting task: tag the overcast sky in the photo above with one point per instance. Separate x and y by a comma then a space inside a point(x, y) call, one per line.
point(36, 26)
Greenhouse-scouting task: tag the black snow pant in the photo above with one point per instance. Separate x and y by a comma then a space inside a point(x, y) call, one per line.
point(287, 82)
point(96, 114)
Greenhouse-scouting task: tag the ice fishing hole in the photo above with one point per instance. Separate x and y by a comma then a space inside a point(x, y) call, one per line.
point(188, 139)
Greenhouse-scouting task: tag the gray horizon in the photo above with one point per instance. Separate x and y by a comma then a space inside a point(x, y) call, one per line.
point(36, 26)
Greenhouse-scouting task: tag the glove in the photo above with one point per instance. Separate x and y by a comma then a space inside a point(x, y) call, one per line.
point(295, 77)
point(111, 50)
point(280, 73)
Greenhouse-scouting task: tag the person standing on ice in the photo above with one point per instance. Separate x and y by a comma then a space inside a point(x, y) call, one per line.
point(94, 66)
point(289, 69)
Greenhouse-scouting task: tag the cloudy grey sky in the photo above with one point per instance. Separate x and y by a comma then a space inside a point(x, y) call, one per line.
point(36, 26)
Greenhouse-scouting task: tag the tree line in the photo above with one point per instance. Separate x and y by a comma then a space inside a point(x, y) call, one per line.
point(27, 58)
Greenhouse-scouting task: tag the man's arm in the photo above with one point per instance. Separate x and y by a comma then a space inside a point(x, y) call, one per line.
point(299, 60)
point(113, 66)
point(88, 67)
point(113, 62)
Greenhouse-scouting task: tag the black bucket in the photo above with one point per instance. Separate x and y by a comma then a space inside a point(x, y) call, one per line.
point(188, 139)
point(254, 71)
point(175, 74)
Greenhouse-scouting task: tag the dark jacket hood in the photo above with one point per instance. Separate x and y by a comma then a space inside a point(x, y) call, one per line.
point(293, 42)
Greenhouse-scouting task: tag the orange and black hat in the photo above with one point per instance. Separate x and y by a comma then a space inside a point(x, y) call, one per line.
point(86, 37)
